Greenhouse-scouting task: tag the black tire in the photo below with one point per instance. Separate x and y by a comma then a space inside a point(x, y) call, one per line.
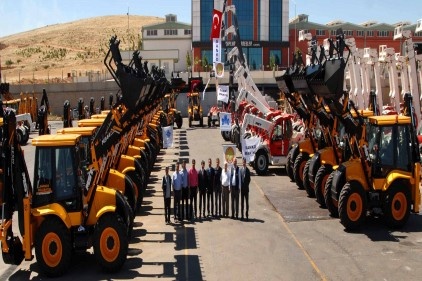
point(298, 169)
point(53, 247)
point(137, 180)
point(320, 180)
point(329, 203)
point(289, 166)
point(261, 162)
point(110, 242)
point(190, 122)
point(20, 136)
point(179, 121)
point(209, 121)
point(397, 205)
point(352, 206)
point(225, 135)
point(201, 121)
point(306, 184)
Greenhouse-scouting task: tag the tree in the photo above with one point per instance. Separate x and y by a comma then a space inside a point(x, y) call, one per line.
point(188, 61)
point(205, 63)
point(272, 63)
point(197, 63)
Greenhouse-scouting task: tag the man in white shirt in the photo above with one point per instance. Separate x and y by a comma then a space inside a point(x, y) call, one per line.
point(225, 183)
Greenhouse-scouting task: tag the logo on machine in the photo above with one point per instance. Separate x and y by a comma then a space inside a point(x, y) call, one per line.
point(225, 120)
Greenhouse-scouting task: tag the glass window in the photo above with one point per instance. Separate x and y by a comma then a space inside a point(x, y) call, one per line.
point(277, 56)
point(348, 32)
point(403, 148)
point(65, 176)
point(360, 33)
point(386, 146)
point(170, 32)
point(206, 18)
point(188, 31)
point(320, 32)
point(370, 33)
point(383, 33)
point(254, 57)
point(244, 12)
point(275, 20)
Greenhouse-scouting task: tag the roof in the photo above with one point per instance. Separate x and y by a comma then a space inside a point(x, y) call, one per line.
point(167, 25)
point(56, 140)
point(84, 131)
point(385, 120)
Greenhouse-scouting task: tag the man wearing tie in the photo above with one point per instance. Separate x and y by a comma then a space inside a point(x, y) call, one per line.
point(244, 190)
point(203, 186)
point(235, 188)
point(166, 186)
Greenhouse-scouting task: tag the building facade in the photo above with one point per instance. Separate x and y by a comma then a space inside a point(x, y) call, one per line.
point(263, 28)
point(167, 44)
point(370, 34)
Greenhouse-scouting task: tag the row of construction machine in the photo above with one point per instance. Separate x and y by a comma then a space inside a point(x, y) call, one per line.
point(254, 117)
point(376, 165)
point(29, 116)
point(382, 177)
point(68, 208)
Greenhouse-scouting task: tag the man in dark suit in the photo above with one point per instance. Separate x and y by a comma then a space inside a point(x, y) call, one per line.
point(203, 186)
point(166, 186)
point(210, 188)
point(235, 188)
point(245, 176)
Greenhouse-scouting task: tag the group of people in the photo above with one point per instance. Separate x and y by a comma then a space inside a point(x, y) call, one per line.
point(215, 186)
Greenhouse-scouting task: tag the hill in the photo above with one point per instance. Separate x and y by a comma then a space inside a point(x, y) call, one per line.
point(53, 51)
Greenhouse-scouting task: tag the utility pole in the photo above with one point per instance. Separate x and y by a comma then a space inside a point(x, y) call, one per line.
point(128, 35)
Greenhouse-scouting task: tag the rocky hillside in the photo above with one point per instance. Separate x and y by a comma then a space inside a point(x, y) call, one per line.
point(51, 52)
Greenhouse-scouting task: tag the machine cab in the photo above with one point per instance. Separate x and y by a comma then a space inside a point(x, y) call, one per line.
point(57, 172)
point(281, 134)
point(390, 144)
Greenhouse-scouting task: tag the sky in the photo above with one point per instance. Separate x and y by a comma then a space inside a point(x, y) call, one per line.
point(23, 15)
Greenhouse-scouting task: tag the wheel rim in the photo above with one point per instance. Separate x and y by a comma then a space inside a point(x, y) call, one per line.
point(399, 206)
point(109, 244)
point(52, 249)
point(261, 162)
point(354, 207)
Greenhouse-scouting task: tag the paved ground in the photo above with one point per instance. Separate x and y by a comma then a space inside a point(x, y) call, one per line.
point(288, 237)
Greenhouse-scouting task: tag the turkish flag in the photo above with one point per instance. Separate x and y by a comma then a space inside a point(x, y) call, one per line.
point(216, 23)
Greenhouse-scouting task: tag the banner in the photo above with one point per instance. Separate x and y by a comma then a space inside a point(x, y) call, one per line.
point(249, 147)
point(225, 121)
point(229, 153)
point(223, 93)
point(219, 69)
point(216, 24)
point(167, 136)
point(216, 50)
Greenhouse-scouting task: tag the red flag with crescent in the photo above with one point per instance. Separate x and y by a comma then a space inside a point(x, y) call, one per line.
point(216, 24)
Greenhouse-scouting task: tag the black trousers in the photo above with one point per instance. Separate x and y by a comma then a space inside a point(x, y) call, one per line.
point(235, 203)
point(176, 204)
point(202, 202)
point(217, 198)
point(167, 203)
point(184, 204)
point(210, 203)
point(193, 197)
point(244, 198)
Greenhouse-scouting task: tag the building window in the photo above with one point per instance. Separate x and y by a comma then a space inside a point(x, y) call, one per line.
point(348, 32)
point(275, 20)
point(360, 33)
point(188, 31)
point(254, 56)
point(320, 32)
point(244, 12)
point(206, 19)
point(383, 33)
point(369, 33)
point(152, 32)
point(170, 31)
point(277, 56)
point(333, 32)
